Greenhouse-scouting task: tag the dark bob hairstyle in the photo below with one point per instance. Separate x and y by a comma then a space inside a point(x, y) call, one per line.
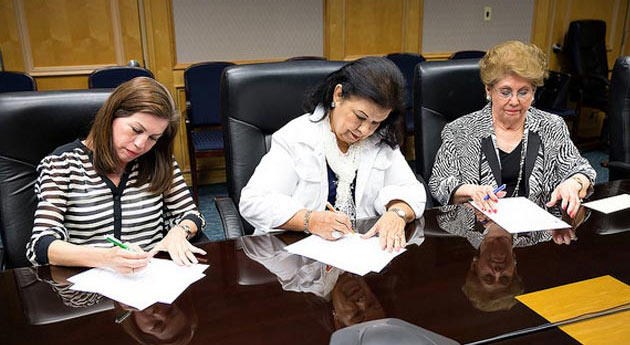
point(372, 78)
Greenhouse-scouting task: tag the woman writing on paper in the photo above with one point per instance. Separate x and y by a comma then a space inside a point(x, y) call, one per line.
point(510, 142)
point(121, 181)
point(344, 151)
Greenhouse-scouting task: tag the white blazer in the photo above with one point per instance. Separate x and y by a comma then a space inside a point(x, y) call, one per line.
point(293, 176)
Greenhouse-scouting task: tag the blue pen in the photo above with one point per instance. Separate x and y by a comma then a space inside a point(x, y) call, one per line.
point(500, 188)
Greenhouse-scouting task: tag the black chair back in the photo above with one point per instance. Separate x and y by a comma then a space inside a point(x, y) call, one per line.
point(32, 125)
point(586, 48)
point(468, 54)
point(443, 92)
point(619, 119)
point(202, 82)
point(16, 81)
point(111, 77)
point(586, 44)
point(406, 63)
point(554, 93)
point(257, 100)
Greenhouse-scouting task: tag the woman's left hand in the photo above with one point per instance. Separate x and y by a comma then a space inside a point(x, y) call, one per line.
point(391, 229)
point(567, 191)
point(178, 247)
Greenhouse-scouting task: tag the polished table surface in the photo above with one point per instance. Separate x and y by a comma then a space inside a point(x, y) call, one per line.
point(256, 293)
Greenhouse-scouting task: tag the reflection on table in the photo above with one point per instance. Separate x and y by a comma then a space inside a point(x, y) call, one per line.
point(458, 280)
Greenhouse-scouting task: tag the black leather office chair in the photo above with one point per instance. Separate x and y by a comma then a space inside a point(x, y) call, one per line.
point(16, 81)
point(256, 101)
point(619, 120)
point(585, 47)
point(203, 117)
point(553, 95)
point(111, 77)
point(467, 54)
point(443, 91)
point(33, 124)
point(406, 63)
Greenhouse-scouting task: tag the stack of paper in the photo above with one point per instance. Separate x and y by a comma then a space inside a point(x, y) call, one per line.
point(161, 281)
point(350, 253)
point(522, 215)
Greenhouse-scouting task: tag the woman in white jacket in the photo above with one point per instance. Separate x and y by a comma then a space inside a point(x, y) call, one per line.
point(344, 151)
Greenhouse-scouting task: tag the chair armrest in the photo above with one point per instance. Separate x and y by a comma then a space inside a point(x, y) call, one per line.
point(597, 77)
point(230, 218)
point(619, 166)
point(429, 202)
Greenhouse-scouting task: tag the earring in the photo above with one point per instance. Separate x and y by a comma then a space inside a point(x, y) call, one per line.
point(488, 98)
point(333, 104)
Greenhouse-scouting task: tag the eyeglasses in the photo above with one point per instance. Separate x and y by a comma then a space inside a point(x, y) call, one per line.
point(522, 94)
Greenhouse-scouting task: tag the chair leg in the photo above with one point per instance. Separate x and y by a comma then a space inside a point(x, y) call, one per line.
point(194, 177)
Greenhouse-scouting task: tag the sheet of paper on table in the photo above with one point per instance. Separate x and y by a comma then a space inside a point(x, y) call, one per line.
point(161, 281)
point(522, 215)
point(610, 204)
point(350, 253)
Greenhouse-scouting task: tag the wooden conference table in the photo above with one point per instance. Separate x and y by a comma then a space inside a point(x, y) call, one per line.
point(256, 293)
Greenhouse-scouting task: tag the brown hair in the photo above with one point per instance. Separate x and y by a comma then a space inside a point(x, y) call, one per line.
point(145, 95)
point(514, 58)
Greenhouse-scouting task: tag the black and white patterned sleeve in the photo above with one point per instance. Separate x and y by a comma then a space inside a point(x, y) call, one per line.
point(445, 176)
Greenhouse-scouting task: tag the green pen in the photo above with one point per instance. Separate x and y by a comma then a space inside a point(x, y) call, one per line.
point(113, 240)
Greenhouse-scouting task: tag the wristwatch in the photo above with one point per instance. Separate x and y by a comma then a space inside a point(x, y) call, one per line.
point(187, 229)
point(399, 212)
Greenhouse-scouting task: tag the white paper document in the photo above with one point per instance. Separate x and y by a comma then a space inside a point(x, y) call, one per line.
point(610, 204)
point(161, 281)
point(522, 215)
point(350, 253)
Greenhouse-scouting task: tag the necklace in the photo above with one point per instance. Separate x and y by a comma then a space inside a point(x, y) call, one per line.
point(520, 167)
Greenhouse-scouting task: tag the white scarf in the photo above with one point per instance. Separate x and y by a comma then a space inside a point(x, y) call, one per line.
point(344, 165)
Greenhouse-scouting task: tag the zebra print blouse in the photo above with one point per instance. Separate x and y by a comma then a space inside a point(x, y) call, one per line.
point(469, 155)
point(77, 205)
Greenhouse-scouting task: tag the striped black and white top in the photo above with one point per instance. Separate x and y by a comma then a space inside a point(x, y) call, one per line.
point(77, 205)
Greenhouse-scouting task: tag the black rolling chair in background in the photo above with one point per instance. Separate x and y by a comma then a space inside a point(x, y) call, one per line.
point(585, 48)
point(443, 92)
point(203, 117)
point(111, 77)
point(33, 124)
point(406, 63)
point(552, 97)
point(619, 120)
point(16, 81)
point(256, 101)
point(467, 54)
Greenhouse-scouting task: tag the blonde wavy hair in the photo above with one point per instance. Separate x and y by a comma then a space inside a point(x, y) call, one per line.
point(514, 58)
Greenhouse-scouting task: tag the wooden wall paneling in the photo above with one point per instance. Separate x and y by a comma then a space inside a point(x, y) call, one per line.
point(10, 37)
point(60, 42)
point(373, 27)
point(131, 36)
point(356, 28)
point(542, 24)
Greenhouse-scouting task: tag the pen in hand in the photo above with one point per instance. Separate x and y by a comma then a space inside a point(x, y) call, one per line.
point(330, 208)
point(498, 189)
point(116, 242)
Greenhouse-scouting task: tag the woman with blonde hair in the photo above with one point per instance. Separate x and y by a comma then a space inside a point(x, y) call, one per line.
point(510, 142)
point(121, 181)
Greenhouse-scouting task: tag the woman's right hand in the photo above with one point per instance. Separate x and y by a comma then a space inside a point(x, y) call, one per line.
point(326, 223)
point(126, 261)
point(478, 194)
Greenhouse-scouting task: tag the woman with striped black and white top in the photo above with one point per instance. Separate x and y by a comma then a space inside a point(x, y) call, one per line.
point(121, 181)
